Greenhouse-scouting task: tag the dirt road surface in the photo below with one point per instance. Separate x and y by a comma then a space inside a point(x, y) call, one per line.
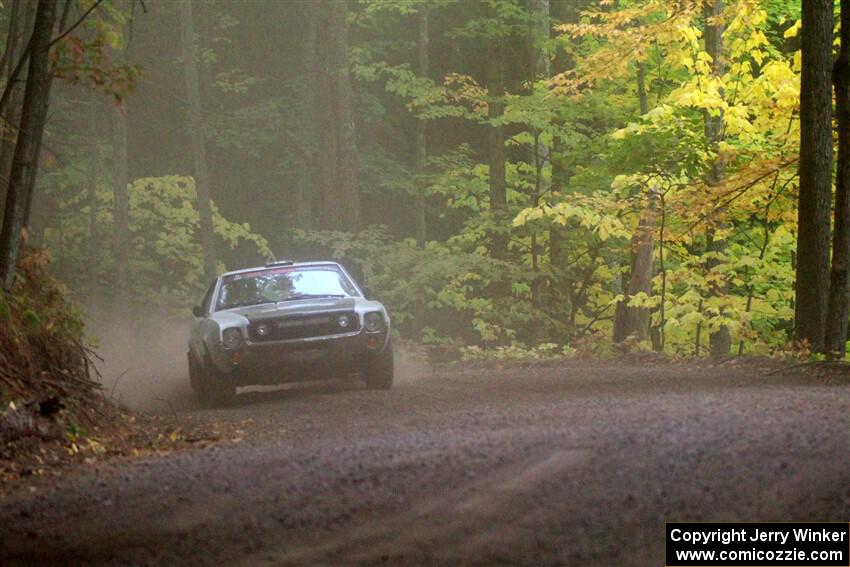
point(576, 464)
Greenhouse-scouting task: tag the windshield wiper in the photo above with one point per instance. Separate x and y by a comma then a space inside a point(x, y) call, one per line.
point(247, 303)
point(311, 296)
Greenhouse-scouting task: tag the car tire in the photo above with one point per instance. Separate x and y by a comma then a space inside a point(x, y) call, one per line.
point(379, 372)
point(217, 389)
point(196, 379)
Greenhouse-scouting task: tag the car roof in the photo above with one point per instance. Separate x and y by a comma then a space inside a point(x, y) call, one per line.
point(281, 265)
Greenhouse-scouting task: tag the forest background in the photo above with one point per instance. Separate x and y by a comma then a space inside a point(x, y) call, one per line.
point(511, 177)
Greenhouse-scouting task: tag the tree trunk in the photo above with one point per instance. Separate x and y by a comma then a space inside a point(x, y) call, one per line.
point(643, 98)
point(121, 208)
point(634, 321)
point(8, 58)
point(196, 131)
point(421, 151)
point(9, 122)
point(839, 281)
point(308, 174)
point(91, 198)
point(541, 66)
point(25, 161)
point(28, 216)
point(326, 150)
point(420, 157)
point(541, 70)
point(812, 285)
point(720, 340)
point(496, 149)
point(563, 11)
point(344, 206)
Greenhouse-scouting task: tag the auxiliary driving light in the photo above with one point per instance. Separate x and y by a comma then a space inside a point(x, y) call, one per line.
point(373, 342)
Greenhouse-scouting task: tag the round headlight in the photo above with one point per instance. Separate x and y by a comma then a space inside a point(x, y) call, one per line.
point(344, 321)
point(262, 329)
point(373, 321)
point(232, 338)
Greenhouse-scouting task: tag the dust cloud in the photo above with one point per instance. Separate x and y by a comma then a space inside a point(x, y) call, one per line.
point(143, 364)
point(143, 356)
point(410, 366)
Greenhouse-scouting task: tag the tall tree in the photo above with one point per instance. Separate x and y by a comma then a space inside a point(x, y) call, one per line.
point(120, 207)
point(541, 68)
point(720, 340)
point(813, 222)
point(91, 193)
point(308, 170)
point(17, 31)
point(421, 140)
point(839, 280)
point(196, 131)
point(496, 146)
point(25, 160)
point(326, 153)
point(120, 202)
point(344, 206)
point(336, 201)
point(630, 320)
point(562, 11)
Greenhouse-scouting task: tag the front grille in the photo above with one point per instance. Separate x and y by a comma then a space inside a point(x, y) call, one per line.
point(303, 326)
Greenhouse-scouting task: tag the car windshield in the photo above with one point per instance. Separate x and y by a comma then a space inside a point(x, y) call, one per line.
point(283, 284)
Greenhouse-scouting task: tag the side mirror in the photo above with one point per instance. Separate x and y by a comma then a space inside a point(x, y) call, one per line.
point(197, 311)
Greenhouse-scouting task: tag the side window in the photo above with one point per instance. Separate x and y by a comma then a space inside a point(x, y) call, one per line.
point(205, 302)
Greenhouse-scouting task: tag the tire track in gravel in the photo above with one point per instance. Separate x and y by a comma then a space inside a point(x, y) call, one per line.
point(574, 464)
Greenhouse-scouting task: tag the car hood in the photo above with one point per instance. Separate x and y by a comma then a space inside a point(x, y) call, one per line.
point(296, 307)
point(241, 316)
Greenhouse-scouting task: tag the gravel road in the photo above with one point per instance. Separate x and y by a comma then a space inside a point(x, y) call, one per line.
point(574, 464)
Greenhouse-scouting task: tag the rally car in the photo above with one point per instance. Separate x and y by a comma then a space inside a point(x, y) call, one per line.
point(286, 322)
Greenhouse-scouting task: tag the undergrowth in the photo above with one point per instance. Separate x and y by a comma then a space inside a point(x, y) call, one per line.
point(43, 353)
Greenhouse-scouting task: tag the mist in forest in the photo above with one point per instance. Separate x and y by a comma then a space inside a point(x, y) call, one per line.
point(512, 177)
point(552, 254)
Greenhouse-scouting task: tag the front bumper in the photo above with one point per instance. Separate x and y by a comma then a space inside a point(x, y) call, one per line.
point(314, 358)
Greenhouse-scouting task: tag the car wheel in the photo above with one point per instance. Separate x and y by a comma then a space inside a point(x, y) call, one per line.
point(218, 389)
point(196, 378)
point(379, 372)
